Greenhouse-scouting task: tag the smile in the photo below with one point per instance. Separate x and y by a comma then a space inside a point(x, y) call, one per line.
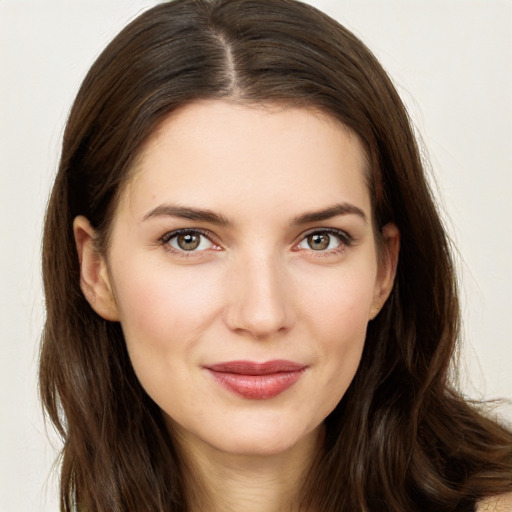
point(257, 381)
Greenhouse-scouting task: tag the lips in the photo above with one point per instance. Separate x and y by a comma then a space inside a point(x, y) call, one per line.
point(257, 381)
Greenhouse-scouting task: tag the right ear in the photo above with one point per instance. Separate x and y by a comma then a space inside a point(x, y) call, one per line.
point(94, 277)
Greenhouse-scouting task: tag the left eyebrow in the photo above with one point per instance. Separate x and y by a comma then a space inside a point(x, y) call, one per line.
point(329, 213)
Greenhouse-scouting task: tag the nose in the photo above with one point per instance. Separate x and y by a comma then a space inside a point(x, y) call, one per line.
point(260, 294)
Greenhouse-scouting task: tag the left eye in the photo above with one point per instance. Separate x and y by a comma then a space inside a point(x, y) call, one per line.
point(189, 241)
point(322, 241)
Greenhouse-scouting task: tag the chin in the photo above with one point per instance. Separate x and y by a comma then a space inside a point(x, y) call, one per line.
point(266, 440)
point(259, 446)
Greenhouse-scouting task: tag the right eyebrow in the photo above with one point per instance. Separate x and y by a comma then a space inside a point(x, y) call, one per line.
point(184, 212)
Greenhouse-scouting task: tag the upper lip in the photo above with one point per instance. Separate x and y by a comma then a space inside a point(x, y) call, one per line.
point(255, 368)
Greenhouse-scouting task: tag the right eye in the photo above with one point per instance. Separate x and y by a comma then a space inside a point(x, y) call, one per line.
point(187, 240)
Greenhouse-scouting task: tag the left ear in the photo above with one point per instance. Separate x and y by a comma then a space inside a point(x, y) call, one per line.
point(388, 261)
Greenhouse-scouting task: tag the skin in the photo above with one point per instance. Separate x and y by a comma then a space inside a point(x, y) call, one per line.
point(256, 288)
point(502, 503)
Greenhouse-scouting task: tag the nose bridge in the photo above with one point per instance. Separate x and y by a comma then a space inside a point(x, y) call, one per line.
point(260, 300)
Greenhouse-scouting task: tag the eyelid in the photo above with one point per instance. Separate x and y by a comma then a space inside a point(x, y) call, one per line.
point(346, 238)
point(167, 237)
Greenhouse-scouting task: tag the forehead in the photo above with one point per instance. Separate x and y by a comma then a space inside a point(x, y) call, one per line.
point(223, 155)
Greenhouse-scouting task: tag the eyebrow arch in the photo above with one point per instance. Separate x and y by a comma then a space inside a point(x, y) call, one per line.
point(329, 213)
point(182, 212)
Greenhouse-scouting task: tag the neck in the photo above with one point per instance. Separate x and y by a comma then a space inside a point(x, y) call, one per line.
point(223, 482)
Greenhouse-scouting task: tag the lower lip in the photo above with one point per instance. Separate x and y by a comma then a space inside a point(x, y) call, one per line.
point(258, 387)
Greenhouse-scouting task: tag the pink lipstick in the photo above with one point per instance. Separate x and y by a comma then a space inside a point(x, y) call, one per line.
point(257, 381)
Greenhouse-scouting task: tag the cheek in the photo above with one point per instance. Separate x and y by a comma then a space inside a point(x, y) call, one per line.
point(341, 301)
point(338, 318)
point(342, 324)
point(163, 315)
point(162, 308)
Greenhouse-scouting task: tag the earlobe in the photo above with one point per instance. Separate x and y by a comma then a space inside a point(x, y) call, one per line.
point(94, 277)
point(388, 262)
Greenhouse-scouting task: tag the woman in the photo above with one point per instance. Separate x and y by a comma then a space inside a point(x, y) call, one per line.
point(251, 303)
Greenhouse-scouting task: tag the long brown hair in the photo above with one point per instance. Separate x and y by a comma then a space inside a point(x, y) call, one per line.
point(401, 438)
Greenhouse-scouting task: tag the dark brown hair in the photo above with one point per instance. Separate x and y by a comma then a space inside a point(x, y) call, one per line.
point(401, 439)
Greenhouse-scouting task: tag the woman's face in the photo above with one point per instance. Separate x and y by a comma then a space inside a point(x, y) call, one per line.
point(243, 268)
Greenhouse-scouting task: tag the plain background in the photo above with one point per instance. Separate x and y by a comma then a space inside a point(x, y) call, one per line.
point(451, 62)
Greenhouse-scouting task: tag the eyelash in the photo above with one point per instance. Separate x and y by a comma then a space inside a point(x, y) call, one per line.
point(165, 239)
point(346, 240)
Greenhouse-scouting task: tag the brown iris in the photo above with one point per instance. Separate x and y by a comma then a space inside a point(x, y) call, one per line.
point(318, 241)
point(188, 241)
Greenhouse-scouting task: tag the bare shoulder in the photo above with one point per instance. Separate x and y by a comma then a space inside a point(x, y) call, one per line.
point(501, 503)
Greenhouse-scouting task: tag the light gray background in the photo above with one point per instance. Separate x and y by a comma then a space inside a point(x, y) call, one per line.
point(451, 61)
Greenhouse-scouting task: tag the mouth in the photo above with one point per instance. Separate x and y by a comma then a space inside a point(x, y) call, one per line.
point(257, 381)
